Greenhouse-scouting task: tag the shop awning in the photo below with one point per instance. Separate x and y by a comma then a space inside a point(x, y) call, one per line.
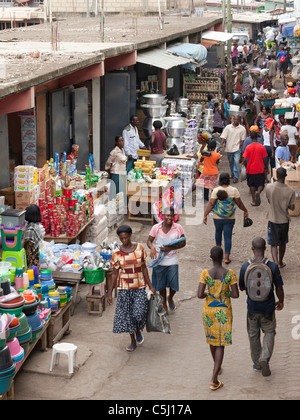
point(162, 58)
point(217, 36)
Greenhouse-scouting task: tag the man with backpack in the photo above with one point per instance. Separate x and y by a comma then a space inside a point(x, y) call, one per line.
point(258, 277)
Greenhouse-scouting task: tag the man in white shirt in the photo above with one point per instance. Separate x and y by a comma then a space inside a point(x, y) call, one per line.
point(269, 89)
point(234, 134)
point(132, 142)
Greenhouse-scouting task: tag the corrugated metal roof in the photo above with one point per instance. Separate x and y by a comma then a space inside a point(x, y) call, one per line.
point(161, 58)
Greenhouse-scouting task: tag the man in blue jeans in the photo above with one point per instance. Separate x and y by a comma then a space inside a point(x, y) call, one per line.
point(234, 135)
point(261, 315)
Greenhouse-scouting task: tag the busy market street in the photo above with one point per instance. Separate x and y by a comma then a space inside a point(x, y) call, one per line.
point(149, 203)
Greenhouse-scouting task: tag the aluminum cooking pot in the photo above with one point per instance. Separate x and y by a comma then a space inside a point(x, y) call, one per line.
point(154, 98)
point(175, 128)
point(154, 111)
point(183, 101)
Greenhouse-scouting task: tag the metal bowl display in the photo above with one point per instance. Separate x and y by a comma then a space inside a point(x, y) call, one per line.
point(154, 111)
point(154, 98)
point(175, 128)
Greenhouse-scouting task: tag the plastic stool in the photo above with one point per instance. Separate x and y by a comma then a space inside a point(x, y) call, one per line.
point(66, 348)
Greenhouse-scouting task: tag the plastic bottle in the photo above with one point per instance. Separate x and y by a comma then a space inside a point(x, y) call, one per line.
point(19, 278)
point(25, 281)
point(31, 276)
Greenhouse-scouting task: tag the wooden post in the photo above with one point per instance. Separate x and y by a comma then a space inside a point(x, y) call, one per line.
point(229, 45)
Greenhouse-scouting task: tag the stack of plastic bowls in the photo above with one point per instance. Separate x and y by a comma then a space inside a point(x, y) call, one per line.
point(36, 324)
point(54, 295)
point(13, 304)
point(24, 334)
point(47, 280)
point(7, 369)
point(14, 326)
point(16, 351)
point(30, 306)
point(69, 293)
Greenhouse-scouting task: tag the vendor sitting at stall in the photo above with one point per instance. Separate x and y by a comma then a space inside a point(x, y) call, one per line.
point(34, 234)
point(158, 144)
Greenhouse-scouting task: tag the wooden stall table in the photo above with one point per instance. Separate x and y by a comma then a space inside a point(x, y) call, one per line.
point(63, 316)
point(64, 239)
point(145, 194)
point(67, 278)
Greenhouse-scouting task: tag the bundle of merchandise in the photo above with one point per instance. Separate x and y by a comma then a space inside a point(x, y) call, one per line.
point(186, 170)
point(26, 186)
point(120, 207)
point(190, 136)
point(97, 231)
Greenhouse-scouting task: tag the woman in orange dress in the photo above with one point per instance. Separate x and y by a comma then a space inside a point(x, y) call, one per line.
point(129, 269)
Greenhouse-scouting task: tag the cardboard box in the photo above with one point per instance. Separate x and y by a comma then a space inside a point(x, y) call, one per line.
point(292, 179)
point(25, 198)
point(9, 195)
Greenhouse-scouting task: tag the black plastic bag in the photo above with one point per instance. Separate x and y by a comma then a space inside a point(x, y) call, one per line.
point(174, 150)
point(157, 317)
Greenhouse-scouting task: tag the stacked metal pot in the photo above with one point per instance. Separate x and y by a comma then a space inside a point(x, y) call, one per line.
point(174, 128)
point(155, 109)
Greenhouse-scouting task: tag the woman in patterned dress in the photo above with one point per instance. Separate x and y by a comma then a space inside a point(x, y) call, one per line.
point(217, 312)
point(129, 269)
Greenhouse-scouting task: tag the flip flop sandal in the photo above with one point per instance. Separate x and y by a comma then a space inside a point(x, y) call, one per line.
point(131, 348)
point(227, 261)
point(215, 387)
point(172, 306)
point(140, 339)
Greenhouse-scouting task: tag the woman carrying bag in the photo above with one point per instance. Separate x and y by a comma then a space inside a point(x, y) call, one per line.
point(129, 269)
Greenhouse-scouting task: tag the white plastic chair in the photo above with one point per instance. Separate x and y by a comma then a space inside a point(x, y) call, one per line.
point(66, 348)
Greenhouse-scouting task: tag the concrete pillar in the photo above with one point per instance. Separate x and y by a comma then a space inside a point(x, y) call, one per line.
point(96, 109)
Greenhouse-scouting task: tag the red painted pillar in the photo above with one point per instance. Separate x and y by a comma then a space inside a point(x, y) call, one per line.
point(164, 82)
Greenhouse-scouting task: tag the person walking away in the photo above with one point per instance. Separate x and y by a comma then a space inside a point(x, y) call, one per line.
point(255, 161)
point(293, 137)
point(116, 167)
point(249, 58)
point(281, 198)
point(257, 90)
point(157, 144)
point(223, 202)
point(282, 152)
point(165, 275)
point(273, 67)
point(222, 285)
point(268, 142)
point(34, 235)
point(209, 177)
point(130, 271)
point(282, 64)
point(261, 304)
point(218, 118)
point(132, 142)
point(238, 80)
point(234, 134)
